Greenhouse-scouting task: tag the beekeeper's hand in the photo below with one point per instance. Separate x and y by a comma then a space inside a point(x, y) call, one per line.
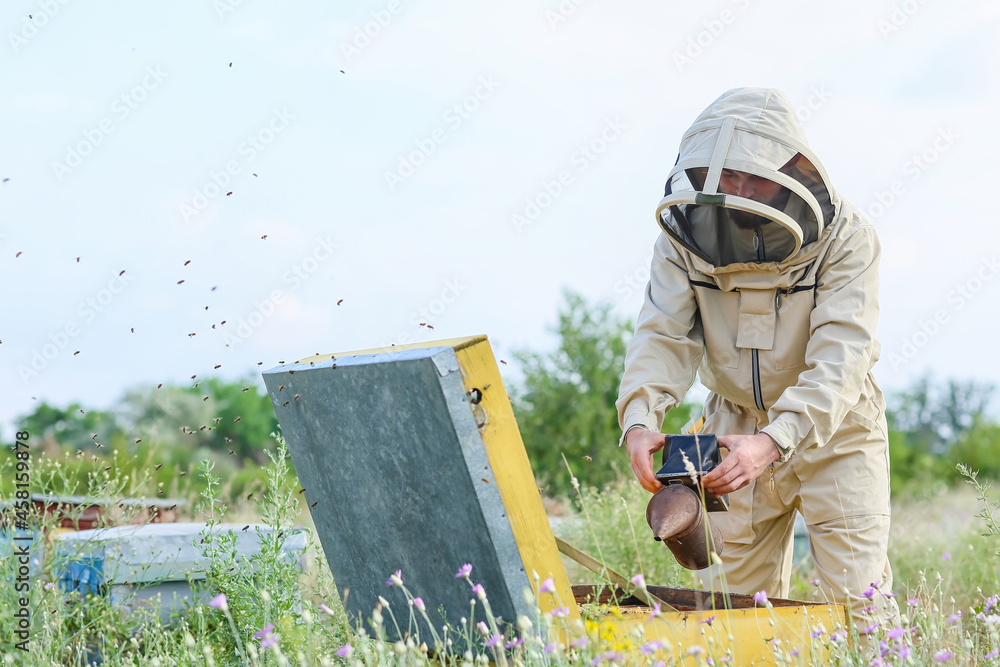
point(749, 456)
point(642, 444)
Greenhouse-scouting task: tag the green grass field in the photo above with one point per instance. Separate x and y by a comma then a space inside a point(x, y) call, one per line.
point(272, 614)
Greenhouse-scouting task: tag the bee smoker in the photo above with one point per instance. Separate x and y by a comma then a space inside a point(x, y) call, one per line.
point(676, 512)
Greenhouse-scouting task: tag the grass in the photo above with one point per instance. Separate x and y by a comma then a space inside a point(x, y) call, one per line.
point(265, 612)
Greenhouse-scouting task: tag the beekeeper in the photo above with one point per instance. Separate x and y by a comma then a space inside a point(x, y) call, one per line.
point(764, 282)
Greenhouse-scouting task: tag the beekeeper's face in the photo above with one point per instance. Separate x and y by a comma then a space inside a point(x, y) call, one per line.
point(750, 186)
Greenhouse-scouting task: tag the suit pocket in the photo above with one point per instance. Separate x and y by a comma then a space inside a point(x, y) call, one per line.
point(792, 330)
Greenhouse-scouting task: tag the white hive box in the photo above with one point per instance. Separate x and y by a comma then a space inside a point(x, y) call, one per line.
point(138, 566)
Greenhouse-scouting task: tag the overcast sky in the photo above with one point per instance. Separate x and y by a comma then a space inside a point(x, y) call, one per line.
point(327, 176)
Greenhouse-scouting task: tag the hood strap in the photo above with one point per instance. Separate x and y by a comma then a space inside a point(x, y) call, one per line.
point(719, 155)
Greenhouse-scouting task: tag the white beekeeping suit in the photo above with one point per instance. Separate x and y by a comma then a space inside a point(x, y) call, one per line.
point(771, 296)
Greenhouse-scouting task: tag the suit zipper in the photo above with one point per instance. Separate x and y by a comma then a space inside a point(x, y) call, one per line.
point(757, 396)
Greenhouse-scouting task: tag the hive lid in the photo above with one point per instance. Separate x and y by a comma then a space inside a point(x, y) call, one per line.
point(413, 460)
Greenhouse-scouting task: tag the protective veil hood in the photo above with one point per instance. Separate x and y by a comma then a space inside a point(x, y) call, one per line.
point(754, 131)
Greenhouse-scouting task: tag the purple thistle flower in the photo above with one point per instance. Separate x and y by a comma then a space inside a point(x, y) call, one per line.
point(945, 556)
point(870, 629)
point(696, 650)
point(579, 643)
point(395, 579)
point(483, 628)
point(651, 647)
point(912, 602)
point(904, 652)
point(560, 612)
point(548, 586)
point(493, 641)
point(942, 655)
point(550, 648)
point(639, 580)
point(814, 582)
point(991, 602)
point(992, 654)
point(708, 621)
point(219, 602)
point(479, 591)
point(595, 661)
point(895, 633)
point(837, 637)
point(326, 609)
point(464, 571)
point(614, 656)
point(265, 631)
point(869, 592)
point(345, 651)
point(516, 642)
point(419, 603)
point(954, 617)
point(660, 663)
point(269, 641)
point(760, 597)
point(656, 612)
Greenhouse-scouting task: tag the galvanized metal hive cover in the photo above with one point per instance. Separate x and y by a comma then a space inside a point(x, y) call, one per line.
point(387, 444)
